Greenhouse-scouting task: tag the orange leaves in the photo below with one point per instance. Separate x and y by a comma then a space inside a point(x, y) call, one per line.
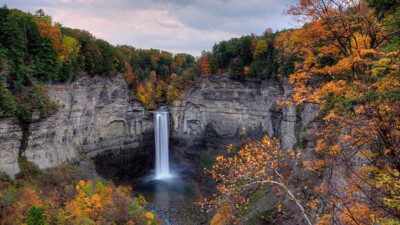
point(128, 75)
point(204, 63)
point(89, 202)
point(255, 163)
point(15, 204)
point(48, 31)
point(342, 66)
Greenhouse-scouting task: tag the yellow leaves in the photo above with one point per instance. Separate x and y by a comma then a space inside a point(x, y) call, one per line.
point(84, 204)
point(154, 59)
point(325, 220)
point(219, 219)
point(153, 76)
point(261, 48)
point(335, 150)
point(340, 65)
point(303, 94)
point(256, 162)
point(146, 94)
point(390, 181)
point(229, 148)
point(160, 90)
point(315, 164)
point(360, 41)
point(360, 110)
point(89, 203)
point(246, 70)
point(310, 62)
point(332, 88)
point(321, 145)
point(149, 215)
point(172, 92)
point(299, 77)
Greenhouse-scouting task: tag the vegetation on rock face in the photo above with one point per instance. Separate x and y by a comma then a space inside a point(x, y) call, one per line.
point(348, 62)
point(158, 76)
point(62, 196)
point(34, 50)
point(346, 59)
point(255, 166)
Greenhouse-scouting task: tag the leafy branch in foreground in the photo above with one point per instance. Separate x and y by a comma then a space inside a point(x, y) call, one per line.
point(257, 164)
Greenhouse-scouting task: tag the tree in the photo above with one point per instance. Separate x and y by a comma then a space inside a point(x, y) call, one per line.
point(48, 31)
point(347, 63)
point(261, 48)
point(204, 63)
point(90, 202)
point(35, 216)
point(172, 93)
point(160, 91)
point(128, 75)
point(14, 40)
point(41, 16)
point(254, 166)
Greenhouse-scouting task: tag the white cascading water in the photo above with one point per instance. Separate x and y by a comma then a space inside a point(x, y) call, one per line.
point(162, 149)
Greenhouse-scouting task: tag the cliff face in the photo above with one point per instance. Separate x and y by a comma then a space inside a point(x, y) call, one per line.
point(10, 142)
point(95, 115)
point(222, 108)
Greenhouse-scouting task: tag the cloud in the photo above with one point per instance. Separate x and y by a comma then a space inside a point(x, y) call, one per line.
point(174, 25)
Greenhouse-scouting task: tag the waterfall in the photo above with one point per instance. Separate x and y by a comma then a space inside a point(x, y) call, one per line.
point(162, 150)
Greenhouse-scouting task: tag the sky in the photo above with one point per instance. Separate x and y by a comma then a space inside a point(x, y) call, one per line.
point(188, 26)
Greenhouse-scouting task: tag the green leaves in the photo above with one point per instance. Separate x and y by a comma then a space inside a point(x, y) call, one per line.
point(35, 216)
point(7, 102)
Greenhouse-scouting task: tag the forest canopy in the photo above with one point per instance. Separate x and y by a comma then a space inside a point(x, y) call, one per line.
point(35, 50)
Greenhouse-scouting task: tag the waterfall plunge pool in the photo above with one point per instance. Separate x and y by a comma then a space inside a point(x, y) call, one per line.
point(170, 196)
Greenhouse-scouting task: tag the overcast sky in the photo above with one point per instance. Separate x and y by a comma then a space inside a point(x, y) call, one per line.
point(175, 25)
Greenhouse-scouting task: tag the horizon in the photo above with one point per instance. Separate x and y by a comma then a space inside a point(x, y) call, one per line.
point(177, 26)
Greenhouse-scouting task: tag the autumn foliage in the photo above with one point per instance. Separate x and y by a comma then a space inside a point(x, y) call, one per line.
point(57, 196)
point(345, 59)
point(257, 165)
point(348, 62)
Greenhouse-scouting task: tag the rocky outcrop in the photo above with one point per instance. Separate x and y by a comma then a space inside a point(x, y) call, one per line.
point(95, 115)
point(98, 115)
point(223, 108)
point(10, 142)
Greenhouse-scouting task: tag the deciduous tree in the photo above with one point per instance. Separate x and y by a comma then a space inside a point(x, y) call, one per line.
point(256, 165)
point(348, 64)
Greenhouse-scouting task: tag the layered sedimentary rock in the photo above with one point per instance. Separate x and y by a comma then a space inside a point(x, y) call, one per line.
point(95, 115)
point(223, 108)
point(10, 142)
point(98, 115)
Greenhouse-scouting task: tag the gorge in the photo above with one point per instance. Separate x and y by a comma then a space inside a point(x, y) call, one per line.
point(98, 116)
point(100, 119)
point(289, 126)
